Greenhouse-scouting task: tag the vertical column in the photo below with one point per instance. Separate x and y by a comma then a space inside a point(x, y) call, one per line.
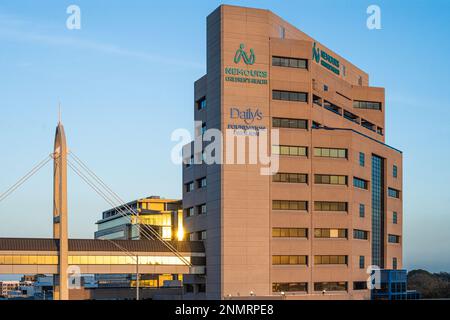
point(60, 288)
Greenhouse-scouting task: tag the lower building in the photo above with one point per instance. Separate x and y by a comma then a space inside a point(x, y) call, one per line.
point(132, 220)
point(6, 287)
point(135, 221)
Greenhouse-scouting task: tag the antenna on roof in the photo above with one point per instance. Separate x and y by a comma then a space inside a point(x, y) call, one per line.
point(59, 112)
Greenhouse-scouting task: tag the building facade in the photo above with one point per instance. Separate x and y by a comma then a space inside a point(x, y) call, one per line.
point(165, 216)
point(132, 222)
point(333, 207)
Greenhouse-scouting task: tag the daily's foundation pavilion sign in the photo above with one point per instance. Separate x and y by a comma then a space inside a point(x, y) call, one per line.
point(235, 74)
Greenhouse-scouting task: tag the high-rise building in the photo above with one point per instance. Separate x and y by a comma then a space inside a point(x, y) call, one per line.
point(334, 206)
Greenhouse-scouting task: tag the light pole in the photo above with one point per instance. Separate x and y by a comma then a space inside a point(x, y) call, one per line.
point(136, 258)
point(137, 277)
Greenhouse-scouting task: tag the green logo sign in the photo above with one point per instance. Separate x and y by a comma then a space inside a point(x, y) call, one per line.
point(240, 53)
point(326, 60)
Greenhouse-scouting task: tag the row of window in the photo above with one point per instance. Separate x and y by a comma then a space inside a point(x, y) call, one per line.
point(201, 183)
point(294, 96)
point(290, 232)
point(290, 62)
point(318, 286)
point(346, 114)
point(91, 260)
point(289, 123)
point(289, 150)
point(290, 177)
point(318, 260)
point(289, 205)
point(299, 205)
point(328, 233)
point(331, 259)
point(197, 236)
point(327, 179)
point(367, 105)
point(330, 179)
point(290, 260)
point(199, 209)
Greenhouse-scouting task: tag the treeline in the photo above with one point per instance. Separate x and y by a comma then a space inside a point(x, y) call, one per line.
point(430, 285)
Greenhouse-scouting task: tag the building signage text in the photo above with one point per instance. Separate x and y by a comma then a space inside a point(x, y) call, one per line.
point(326, 60)
point(245, 75)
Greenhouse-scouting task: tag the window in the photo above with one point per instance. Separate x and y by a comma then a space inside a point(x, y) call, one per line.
point(380, 131)
point(330, 233)
point(368, 125)
point(201, 103)
point(394, 171)
point(281, 32)
point(393, 193)
point(360, 183)
point(330, 286)
point(286, 260)
point(201, 287)
point(201, 209)
point(203, 128)
point(317, 100)
point(330, 206)
point(330, 152)
point(378, 209)
point(362, 210)
point(332, 107)
point(392, 238)
point(189, 186)
point(289, 62)
point(201, 183)
point(361, 262)
point(289, 287)
point(290, 177)
point(394, 263)
point(202, 235)
point(394, 217)
point(325, 87)
point(362, 159)
point(350, 116)
point(189, 161)
point(360, 234)
point(360, 285)
point(290, 150)
point(289, 232)
point(290, 96)
point(289, 205)
point(289, 123)
point(330, 259)
point(367, 105)
point(330, 179)
point(190, 212)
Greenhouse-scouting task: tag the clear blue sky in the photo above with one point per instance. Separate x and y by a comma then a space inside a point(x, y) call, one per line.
point(125, 81)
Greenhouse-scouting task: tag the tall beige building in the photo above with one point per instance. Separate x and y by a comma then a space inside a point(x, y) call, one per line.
point(335, 206)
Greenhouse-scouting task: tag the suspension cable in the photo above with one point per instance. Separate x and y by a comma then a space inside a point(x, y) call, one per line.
point(122, 212)
point(22, 180)
point(123, 203)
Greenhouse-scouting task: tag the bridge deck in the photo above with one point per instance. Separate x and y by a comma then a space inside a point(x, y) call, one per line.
point(30, 256)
